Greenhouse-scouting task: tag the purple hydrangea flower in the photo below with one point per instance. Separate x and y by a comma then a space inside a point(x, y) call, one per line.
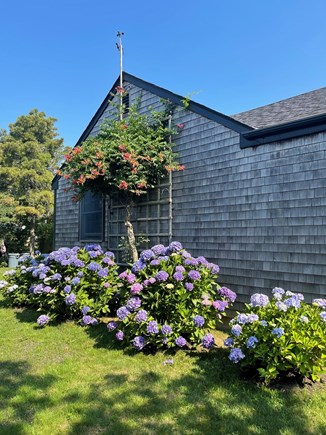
point(141, 316)
point(199, 321)
point(194, 275)
point(180, 269)
point(152, 327)
point(119, 336)
point(320, 302)
point(103, 273)
point(110, 255)
point(112, 326)
point(236, 330)
point(67, 289)
point(278, 332)
point(85, 310)
point(294, 300)
point(159, 250)
point(227, 293)
point(236, 355)
point(56, 277)
point(166, 330)
point(186, 254)
point(259, 300)
point(147, 255)
point(189, 286)
point(108, 261)
point(180, 341)
point(136, 288)
point(133, 303)
point(123, 275)
point(155, 262)
point(139, 342)
point(178, 276)
point(229, 342)
point(214, 268)
point(264, 323)
point(242, 318)
point(175, 247)
point(191, 262)
point(208, 341)
point(163, 258)
point(86, 320)
point(123, 313)
point(93, 247)
point(162, 276)
point(94, 321)
point(70, 299)
point(43, 319)
point(138, 266)
point(80, 274)
point(131, 278)
point(220, 305)
point(278, 293)
point(251, 342)
point(202, 260)
point(94, 267)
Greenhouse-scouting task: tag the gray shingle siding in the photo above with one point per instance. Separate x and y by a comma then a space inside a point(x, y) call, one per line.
point(258, 212)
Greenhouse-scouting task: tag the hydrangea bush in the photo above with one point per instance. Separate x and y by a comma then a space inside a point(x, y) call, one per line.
point(279, 336)
point(170, 299)
point(67, 283)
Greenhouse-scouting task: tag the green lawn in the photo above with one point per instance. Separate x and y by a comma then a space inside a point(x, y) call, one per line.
point(71, 380)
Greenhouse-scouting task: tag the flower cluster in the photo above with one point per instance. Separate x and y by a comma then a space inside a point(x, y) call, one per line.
point(64, 281)
point(279, 335)
point(170, 299)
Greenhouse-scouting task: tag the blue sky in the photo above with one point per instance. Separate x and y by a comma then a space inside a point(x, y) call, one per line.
point(59, 56)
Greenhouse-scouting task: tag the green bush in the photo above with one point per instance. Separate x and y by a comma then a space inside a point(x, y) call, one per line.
point(170, 299)
point(280, 336)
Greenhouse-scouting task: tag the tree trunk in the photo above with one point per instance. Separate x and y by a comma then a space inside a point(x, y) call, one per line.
point(130, 230)
point(32, 237)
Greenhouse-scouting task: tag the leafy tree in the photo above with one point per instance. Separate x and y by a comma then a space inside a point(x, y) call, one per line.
point(29, 152)
point(128, 156)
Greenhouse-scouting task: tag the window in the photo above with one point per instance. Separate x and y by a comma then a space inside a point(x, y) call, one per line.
point(91, 217)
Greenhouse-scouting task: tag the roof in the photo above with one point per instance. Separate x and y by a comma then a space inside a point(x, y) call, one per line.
point(292, 109)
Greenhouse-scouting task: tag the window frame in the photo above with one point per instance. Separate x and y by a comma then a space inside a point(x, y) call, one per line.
point(99, 237)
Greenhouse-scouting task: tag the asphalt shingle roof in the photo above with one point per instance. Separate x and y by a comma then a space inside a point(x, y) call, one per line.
point(299, 107)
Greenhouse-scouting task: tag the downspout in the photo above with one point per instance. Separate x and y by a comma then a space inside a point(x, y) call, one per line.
point(170, 187)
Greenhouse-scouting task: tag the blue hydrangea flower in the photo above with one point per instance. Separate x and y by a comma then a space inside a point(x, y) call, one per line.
point(199, 321)
point(189, 286)
point(80, 274)
point(180, 341)
point(259, 300)
point(112, 326)
point(123, 313)
point(141, 316)
point(242, 319)
point(252, 318)
point(278, 293)
point(208, 341)
point(133, 303)
point(103, 273)
point(227, 293)
point(67, 289)
point(236, 330)
point(281, 306)
point(229, 342)
point(264, 323)
point(236, 355)
point(251, 342)
point(323, 316)
point(56, 277)
point(86, 320)
point(320, 302)
point(139, 342)
point(278, 332)
point(294, 300)
point(138, 266)
point(152, 327)
point(43, 319)
point(175, 247)
point(70, 299)
point(94, 267)
point(166, 330)
point(162, 276)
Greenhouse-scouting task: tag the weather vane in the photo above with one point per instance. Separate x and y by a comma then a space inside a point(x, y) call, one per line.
point(120, 89)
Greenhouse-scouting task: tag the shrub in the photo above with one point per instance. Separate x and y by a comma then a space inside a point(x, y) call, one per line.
point(170, 299)
point(67, 283)
point(280, 336)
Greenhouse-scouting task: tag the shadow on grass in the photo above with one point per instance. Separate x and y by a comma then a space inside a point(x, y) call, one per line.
point(22, 394)
point(211, 399)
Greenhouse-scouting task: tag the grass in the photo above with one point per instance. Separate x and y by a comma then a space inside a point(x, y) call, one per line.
point(70, 380)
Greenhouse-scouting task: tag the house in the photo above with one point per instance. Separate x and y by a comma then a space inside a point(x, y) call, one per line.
point(252, 197)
